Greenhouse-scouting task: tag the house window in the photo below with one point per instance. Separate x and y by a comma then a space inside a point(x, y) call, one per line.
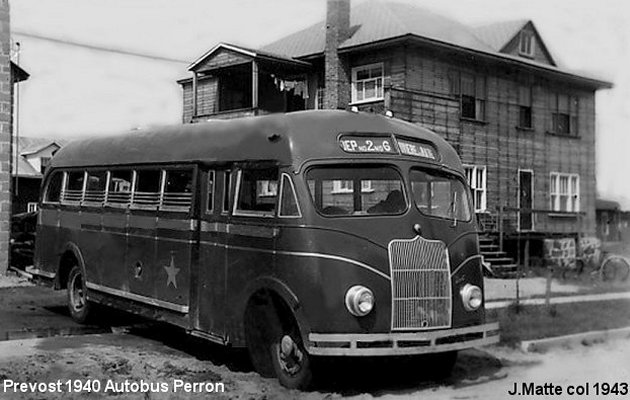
point(471, 90)
point(564, 114)
point(525, 107)
point(319, 98)
point(476, 177)
point(347, 186)
point(564, 192)
point(31, 207)
point(367, 83)
point(526, 44)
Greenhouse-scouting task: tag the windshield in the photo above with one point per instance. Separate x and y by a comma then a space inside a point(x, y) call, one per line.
point(356, 190)
point(440, 195)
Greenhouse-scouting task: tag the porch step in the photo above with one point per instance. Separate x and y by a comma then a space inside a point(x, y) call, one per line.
point(502, 265)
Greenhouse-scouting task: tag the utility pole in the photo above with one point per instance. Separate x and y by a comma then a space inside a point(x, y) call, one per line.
point(17, 124)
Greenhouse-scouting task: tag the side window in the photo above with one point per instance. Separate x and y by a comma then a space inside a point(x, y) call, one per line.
point(178, 189)
point(95, 186)
point(147, 188)
point(257, 192)
point(288, 201)
point(73, 192)
point(120, 185)
point(53, 189)
point(210, 196)
point(227, 185)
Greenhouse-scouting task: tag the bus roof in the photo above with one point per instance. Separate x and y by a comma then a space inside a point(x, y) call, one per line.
point(290, 139)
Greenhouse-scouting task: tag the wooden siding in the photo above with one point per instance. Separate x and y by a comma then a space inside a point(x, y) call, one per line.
point(497, 143)
point(223, 58)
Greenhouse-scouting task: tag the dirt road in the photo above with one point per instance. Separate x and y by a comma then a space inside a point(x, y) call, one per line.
point(160, 362)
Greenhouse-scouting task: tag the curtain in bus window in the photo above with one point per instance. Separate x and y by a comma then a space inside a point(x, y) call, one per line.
point(74, 186)
point(258, 191)
point(147, 191)
point(119, 191)
point(95, 186)
point(178, 188)
point(53, 190)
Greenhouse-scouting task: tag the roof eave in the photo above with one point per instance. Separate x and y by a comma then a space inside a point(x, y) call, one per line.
point(596, 83)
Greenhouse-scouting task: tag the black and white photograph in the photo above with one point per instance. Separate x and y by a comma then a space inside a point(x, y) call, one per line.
point(314, 199)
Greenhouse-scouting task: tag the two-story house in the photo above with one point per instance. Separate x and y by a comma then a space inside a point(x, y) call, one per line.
point(523, 125)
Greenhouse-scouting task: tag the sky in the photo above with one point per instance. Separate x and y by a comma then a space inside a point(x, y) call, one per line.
point(77, 90)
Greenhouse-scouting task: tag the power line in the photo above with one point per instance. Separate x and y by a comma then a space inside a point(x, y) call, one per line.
point(99, 48)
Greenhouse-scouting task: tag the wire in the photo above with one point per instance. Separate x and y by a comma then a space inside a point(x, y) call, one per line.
point(99, 48)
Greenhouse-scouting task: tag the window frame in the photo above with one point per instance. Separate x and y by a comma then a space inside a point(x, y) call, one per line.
point(555, 194)
point(284, 177)
point(252, 213)
point(524, 105)
point(210, 194)
point(572, 114)
point(47, 188)
point(355, 81)
point(479, 99)
point(526, 38)
point(474, 189)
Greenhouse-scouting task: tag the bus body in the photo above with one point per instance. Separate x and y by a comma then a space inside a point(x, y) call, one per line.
point(316, 233)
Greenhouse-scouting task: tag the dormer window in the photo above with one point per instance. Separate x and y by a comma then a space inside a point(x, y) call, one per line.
point(526, 44)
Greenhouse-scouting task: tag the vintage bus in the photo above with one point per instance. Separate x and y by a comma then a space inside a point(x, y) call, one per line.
point(299, 235)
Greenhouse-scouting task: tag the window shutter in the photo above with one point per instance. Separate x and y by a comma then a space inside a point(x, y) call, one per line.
point(453, 79)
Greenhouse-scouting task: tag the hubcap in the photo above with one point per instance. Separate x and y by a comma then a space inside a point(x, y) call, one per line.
point(290, 355)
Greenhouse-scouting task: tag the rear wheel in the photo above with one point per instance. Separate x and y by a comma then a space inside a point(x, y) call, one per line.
point(78, 304)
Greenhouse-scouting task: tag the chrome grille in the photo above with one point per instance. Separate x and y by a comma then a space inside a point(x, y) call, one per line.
point(421, 284)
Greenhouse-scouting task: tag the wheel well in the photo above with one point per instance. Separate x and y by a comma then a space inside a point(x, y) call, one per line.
point(68, 260)
point(271, 302)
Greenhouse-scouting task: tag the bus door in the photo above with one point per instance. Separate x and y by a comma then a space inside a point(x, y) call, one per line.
point(211, 273)
point(176, 236)
point(252, 231)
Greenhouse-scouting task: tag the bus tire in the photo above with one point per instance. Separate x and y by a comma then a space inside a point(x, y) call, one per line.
point(78, 305)
point(291, 362)
point(274, 342)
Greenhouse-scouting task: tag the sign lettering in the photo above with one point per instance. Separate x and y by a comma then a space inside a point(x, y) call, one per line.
point(356, 144)
point(416, 149)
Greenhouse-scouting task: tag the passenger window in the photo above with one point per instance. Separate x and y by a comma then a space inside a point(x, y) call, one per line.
point(74, 187)
point(210, 188)
point(95, 186)
point(257, 192)
point(288, 201)
point(147, 190)
point(119, 192)
point(178, 189)
point(53, 190)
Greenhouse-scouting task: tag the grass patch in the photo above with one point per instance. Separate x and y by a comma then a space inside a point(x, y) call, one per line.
point(537, 322)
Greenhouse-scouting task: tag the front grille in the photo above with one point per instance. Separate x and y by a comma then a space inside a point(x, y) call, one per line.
point(421, 284)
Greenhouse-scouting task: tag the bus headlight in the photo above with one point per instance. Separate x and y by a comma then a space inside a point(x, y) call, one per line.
point(359, 300)
point(471, 297)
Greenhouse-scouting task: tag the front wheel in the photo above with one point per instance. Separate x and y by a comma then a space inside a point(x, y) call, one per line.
point(78, 304)
point(291, 362)
point(615, 267)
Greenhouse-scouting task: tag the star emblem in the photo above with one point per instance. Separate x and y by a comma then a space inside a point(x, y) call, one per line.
point(171, 272)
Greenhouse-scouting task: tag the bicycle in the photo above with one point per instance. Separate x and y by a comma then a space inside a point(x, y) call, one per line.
point(606, 266)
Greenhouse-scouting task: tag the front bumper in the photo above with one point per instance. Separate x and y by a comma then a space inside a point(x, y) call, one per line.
point(400, 344)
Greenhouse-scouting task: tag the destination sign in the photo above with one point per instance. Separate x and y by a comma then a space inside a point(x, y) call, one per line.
point(362, 144)
point(416, 149)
